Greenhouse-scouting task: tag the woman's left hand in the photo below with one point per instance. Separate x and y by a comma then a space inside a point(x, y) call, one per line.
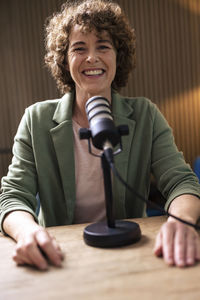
point(179, 244)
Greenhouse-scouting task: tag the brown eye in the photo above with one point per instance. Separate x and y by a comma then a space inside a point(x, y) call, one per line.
point(103, 47)
point(79, 49)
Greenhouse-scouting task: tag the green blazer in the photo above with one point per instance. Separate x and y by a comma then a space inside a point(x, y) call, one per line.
point(43, 161)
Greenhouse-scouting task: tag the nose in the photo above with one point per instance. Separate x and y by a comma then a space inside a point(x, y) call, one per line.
point(92, 57)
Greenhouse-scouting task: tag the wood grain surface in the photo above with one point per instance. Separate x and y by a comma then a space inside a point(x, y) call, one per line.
point(130, 272)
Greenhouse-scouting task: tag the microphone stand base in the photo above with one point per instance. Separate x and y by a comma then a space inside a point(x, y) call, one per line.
point(100, 235)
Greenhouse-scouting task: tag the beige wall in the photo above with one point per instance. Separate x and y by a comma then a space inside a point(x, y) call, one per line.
point(167, 72)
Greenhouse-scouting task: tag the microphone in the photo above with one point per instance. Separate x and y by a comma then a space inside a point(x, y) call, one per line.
point(105, 136)
point(104, 133)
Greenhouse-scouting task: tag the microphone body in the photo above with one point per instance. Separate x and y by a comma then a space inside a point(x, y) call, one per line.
point(103, 131)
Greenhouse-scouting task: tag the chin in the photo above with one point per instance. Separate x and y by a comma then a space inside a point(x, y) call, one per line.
point(95, 92)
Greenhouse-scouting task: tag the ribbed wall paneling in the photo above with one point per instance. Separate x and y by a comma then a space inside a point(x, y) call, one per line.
point(23, 77)
point(167, 71)
point(168, 64)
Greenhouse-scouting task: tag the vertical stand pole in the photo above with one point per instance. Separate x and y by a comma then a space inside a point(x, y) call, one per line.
point(108, 191)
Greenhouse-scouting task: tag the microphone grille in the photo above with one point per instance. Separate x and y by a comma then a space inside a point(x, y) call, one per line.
point(98, 107)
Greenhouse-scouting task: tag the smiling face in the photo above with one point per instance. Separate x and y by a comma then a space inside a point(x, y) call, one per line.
point(91, 61)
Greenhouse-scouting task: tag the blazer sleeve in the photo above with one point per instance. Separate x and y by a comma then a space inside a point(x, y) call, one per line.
point(173, 175)
point(19, 187)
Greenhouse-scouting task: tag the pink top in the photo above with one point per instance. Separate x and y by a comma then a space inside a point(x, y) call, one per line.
point(90, 199)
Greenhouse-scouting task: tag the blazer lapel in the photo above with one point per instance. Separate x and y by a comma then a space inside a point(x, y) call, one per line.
point(122, 113)
point(62, 137)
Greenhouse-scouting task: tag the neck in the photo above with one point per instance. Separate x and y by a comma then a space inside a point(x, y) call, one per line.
point(79, 114)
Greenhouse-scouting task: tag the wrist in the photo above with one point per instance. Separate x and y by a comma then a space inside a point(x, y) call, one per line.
point(18, 223)
point(186, 207)
point(185, 218)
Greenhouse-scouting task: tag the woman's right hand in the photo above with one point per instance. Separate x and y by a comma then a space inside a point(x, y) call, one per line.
point(38, 248)
point(35, 246)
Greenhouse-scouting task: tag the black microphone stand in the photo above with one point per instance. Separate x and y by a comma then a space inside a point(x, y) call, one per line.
point(108, 191)
point(110, 233)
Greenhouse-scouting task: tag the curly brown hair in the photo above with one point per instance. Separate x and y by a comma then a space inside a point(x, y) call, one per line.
point(98, 15)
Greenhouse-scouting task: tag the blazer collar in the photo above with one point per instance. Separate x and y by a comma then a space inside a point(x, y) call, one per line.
point(63, 110)
point(121, 107)
point(62, 137)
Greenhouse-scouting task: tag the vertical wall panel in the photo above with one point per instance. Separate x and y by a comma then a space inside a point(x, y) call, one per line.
point(167, 71)
point(168, 65)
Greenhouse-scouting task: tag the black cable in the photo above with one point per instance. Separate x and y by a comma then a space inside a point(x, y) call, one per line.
point(109, 156)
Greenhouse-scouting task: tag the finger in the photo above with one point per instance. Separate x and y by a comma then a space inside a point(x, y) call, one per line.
point(58, 248)
point(190, 248)
point(168, 231)
point(158, 245)
point(37, 258)
point(197, 254)
point(28, 252)
point(21, 262)
point(19, 259)
point(180, 246)
point(49, 247)
point(20, 253)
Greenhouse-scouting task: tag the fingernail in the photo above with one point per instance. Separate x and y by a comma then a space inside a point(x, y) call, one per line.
point(181, 263)
point(190, 261)
point(44, 267)
point(170, 261)
point(58, 263)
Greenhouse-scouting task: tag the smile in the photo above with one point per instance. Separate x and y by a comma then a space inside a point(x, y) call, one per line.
point(93, 72)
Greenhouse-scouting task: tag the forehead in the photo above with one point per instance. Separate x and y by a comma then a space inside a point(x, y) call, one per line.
point(81, 33)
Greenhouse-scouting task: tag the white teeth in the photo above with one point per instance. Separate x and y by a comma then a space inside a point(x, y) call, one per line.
point(93, 72)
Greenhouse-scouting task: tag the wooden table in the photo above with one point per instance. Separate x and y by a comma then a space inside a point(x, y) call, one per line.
point(130, 272)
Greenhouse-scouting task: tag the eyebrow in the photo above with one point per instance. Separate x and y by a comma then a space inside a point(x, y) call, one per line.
point(80, 43)
point(77, 43)
point(109, 41)
point(104, 41)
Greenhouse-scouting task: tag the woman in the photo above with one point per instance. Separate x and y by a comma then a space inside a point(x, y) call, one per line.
point(91, 51)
